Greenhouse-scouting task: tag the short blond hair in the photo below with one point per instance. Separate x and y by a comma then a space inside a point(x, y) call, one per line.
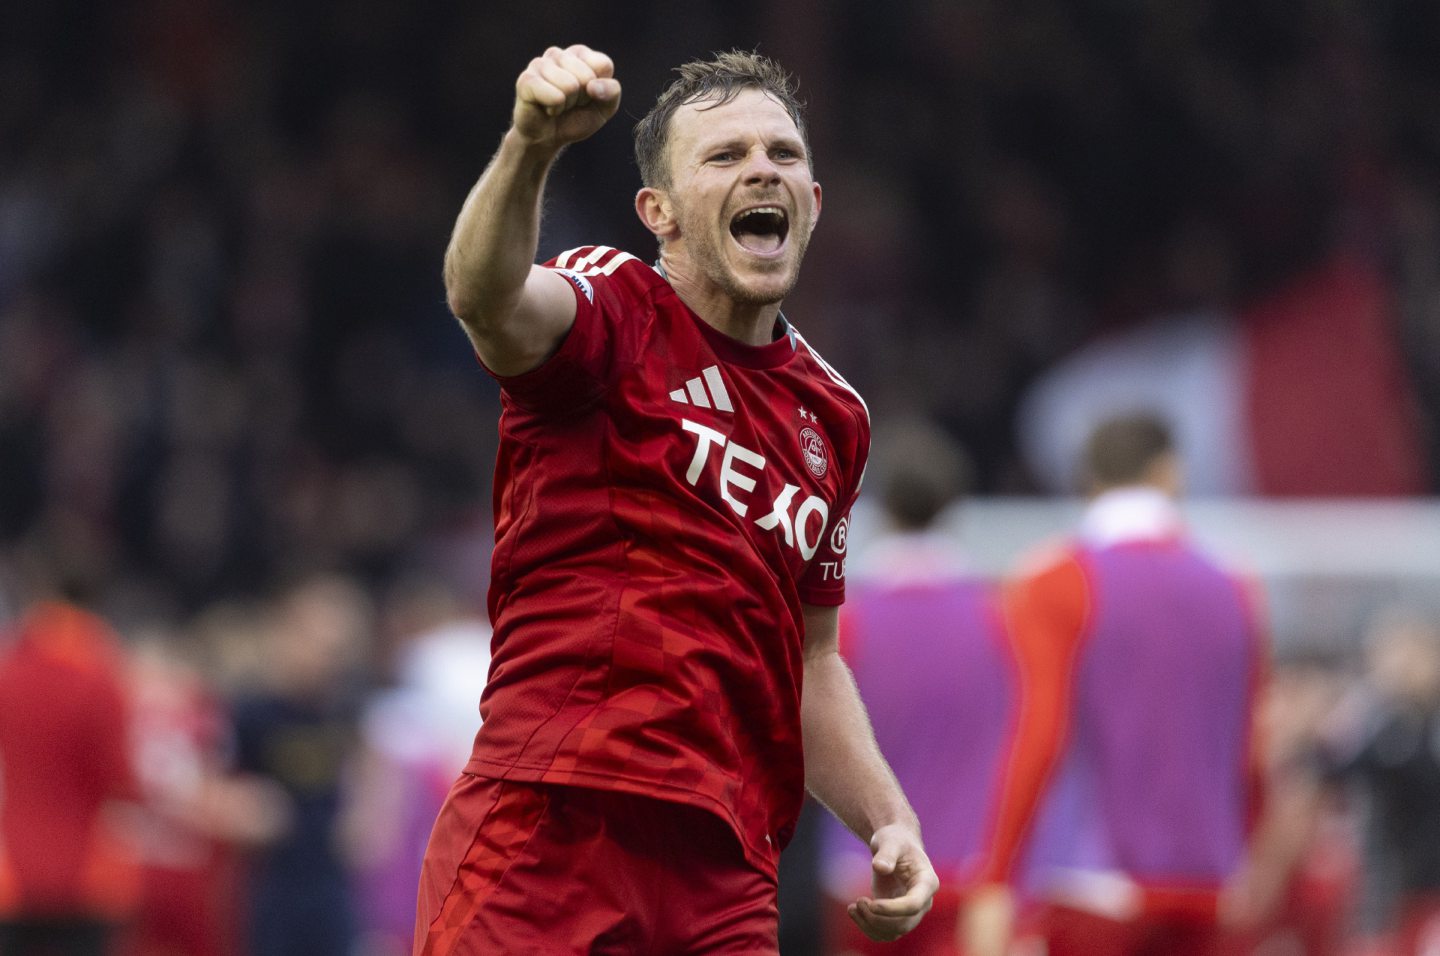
point(720, 79)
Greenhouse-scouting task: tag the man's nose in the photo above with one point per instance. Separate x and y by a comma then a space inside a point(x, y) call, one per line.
point(760, 168)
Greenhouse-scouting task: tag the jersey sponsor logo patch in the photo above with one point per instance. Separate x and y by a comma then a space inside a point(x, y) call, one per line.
point(706, 390)
point(840, 537)
point(580, 282)
point(800, 527)
point(812, 446)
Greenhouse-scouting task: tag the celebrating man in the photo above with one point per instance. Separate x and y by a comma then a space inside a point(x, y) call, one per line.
point(675, 472)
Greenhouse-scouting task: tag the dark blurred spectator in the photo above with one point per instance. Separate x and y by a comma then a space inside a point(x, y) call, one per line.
point(922, 634)
point(1391, 753)
point(68, 872)
point(1303, 868)
point(300, 732)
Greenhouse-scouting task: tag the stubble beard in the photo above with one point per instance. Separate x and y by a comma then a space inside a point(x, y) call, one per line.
point(710, 262)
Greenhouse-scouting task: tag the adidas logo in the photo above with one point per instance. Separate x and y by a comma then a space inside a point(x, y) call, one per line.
point(706, 390)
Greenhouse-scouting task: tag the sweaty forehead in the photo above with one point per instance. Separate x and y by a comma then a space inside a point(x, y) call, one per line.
point(752, 111)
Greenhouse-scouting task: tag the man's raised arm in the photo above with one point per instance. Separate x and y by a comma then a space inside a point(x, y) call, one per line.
point(516, 313)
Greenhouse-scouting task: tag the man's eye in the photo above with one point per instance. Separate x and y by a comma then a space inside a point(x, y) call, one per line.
point(722, 157)
point(786, 154)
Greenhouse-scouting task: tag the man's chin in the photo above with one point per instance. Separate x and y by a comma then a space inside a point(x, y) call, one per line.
point(767, 287)
point(757, 293)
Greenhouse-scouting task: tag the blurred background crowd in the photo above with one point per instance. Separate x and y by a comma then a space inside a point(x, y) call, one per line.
point(226, 351)
point(236, 416)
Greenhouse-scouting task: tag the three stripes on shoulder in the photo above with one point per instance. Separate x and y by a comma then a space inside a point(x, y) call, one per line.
point(597, 261)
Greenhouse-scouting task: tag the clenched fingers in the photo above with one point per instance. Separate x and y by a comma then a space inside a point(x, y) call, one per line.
point(560, 79)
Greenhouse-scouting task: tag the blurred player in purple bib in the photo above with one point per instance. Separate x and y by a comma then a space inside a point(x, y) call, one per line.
point(1132, 779)
point(921, 631)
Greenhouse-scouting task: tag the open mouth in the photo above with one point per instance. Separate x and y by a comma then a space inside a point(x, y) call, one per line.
point(761, 230)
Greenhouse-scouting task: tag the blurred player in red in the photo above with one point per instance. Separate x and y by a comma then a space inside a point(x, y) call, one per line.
point(68, 875)
point(921, 631)
point(195, 816)
point(675, 473)
point(1132, 777)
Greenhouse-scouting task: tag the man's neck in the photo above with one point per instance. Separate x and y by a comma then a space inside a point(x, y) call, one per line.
point(746, 323)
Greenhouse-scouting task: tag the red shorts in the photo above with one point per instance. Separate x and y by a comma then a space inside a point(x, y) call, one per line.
point(517, 867)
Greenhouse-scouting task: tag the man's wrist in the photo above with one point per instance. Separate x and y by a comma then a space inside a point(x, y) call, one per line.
point(910, 824)
point(527, 151)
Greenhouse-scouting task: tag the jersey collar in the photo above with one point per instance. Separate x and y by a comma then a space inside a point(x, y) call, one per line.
point(783, 344)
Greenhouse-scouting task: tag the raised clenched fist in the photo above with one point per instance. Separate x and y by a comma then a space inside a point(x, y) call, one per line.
point(565, 95)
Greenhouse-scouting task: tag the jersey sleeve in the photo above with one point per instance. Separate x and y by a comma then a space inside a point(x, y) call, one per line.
point(580, 370)
point(1045, 614)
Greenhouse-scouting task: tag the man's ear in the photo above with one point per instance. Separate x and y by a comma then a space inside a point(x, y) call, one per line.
point(656, 212)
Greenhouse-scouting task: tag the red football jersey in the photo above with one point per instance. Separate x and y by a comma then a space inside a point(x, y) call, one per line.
point(665, 499)
point(64, 754)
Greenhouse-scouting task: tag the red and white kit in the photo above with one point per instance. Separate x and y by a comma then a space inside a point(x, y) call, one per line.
point(666, 499)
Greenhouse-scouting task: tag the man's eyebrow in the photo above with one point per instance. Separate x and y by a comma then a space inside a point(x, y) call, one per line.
point(709, 145)
point(781, 141)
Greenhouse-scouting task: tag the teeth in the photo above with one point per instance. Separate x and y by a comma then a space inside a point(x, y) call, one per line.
point(763, 210)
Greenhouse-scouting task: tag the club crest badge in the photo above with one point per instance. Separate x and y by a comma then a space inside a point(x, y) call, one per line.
point(812, 446)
